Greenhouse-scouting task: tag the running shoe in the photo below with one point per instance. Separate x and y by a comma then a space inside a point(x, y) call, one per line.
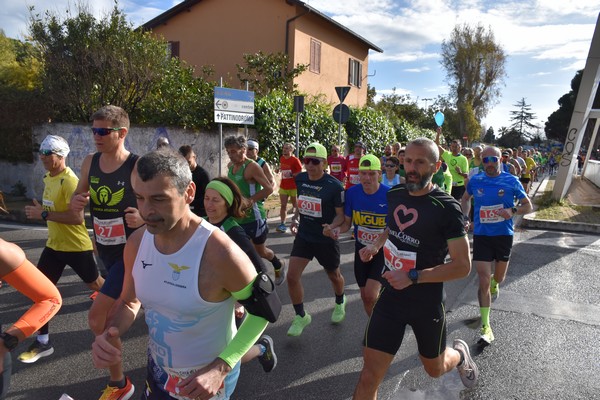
point(339, 312)
point(36, 351)
point(282, 228)
point(93, 296)
point(298, 325)
point(494, 289)
point(468, 370)
point(487, 336)
point(281, 273)
point(269, 359)
point(114, 393)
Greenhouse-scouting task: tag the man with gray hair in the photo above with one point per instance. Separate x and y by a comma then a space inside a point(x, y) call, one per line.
point(187, 274)
point(68, 240)
point(424, 225)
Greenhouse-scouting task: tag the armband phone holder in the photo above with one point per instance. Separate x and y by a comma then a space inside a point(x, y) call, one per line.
point(264, 301)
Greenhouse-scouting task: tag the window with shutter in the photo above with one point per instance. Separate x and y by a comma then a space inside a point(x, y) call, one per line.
point(315, 56)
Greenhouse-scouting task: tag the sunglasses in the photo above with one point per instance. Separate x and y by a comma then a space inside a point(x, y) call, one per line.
point(310, 160)
point(390, 166)
point(46, 152)
point(105, 131)
point(491, 159)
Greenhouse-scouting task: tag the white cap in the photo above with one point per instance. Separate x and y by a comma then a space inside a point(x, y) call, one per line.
point(252, 144)
point(56, 144)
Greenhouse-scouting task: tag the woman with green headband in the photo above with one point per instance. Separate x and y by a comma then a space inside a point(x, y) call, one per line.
point(223, 202)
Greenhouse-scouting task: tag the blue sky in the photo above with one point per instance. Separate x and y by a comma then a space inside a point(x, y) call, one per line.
point(546, 41)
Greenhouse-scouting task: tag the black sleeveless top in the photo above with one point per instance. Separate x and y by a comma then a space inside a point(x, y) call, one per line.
point(110, 195)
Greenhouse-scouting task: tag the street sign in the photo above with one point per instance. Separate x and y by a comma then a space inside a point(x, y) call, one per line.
point(233, 106)
point(230, 117)
point(342, 92)
point(341, 113)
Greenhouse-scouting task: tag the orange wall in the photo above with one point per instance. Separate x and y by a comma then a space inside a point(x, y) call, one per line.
point(218, 33)
point(336, 48)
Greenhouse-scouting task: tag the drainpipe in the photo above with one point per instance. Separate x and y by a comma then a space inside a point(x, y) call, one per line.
point(287, 28)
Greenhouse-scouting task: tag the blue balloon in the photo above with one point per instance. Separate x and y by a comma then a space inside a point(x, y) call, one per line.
point(439, 118)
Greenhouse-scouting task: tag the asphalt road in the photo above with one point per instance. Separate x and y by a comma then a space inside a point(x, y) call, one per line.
point(546, 322)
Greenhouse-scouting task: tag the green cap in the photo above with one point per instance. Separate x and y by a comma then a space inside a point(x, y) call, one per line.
point(316, 150)
point(373, 163)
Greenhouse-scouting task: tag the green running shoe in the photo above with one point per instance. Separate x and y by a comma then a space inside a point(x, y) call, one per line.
point(298, 325)
point(339, 312)
point(487, 336)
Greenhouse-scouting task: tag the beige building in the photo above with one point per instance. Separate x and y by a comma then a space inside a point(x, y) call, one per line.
point(220, 32)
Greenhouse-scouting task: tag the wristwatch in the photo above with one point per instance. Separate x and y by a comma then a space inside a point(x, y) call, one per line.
point(514, 210)
point(413, 275)
point(10, 341)
point(45, 215)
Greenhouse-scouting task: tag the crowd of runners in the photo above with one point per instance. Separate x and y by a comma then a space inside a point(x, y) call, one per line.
point(190, 251)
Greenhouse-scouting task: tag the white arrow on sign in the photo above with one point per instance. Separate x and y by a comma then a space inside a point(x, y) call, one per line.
point(233, 105)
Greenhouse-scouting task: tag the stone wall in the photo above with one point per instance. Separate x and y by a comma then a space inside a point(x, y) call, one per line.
point(140, 140)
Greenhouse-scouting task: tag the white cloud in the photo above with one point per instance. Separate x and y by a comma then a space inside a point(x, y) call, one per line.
point(421, 69)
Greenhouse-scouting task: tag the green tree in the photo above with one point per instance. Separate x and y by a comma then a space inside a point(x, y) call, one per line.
point(268, 72)
point(19, 67)
point(557, 125)
point(179, 98)
point(275, 121)
point(90, 63)
point(21, 104)
point(509, 138)
point(371, 127)
point(522, 120)
point(475, 69)
point(489, 136)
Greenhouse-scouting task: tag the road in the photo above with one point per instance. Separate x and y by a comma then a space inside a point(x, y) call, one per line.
point(546, 322)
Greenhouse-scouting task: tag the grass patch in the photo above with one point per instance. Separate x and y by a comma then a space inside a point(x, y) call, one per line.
point(562, 210)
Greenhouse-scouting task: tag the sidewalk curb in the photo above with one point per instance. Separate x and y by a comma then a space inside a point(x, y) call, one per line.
point(529, 221)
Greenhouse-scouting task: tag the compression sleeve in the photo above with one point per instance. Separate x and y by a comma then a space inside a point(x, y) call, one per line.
point(251, 329)
point(28, 280)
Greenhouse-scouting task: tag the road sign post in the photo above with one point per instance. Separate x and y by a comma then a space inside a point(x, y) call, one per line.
point(341, 112)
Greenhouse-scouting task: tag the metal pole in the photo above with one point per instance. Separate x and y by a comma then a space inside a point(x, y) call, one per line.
point(245, 125)
point(297, 134)
point(221, 141)
point(340, 127)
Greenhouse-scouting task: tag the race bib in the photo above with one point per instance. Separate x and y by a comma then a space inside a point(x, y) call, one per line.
point(354, 179)
point(109, 232)
point(286, 174)
point(310, 206)
point(177, 375)
point(336, 168)
point(367, 236)
point(396, 259)
point(47, 205)
point(490, 214)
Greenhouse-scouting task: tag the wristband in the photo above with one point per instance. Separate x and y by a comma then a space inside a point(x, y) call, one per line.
point(514, 210)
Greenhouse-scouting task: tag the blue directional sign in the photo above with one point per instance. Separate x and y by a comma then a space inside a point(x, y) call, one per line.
point(233, 106)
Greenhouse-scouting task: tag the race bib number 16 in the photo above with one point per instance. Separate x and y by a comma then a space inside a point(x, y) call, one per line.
point(396, 259)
